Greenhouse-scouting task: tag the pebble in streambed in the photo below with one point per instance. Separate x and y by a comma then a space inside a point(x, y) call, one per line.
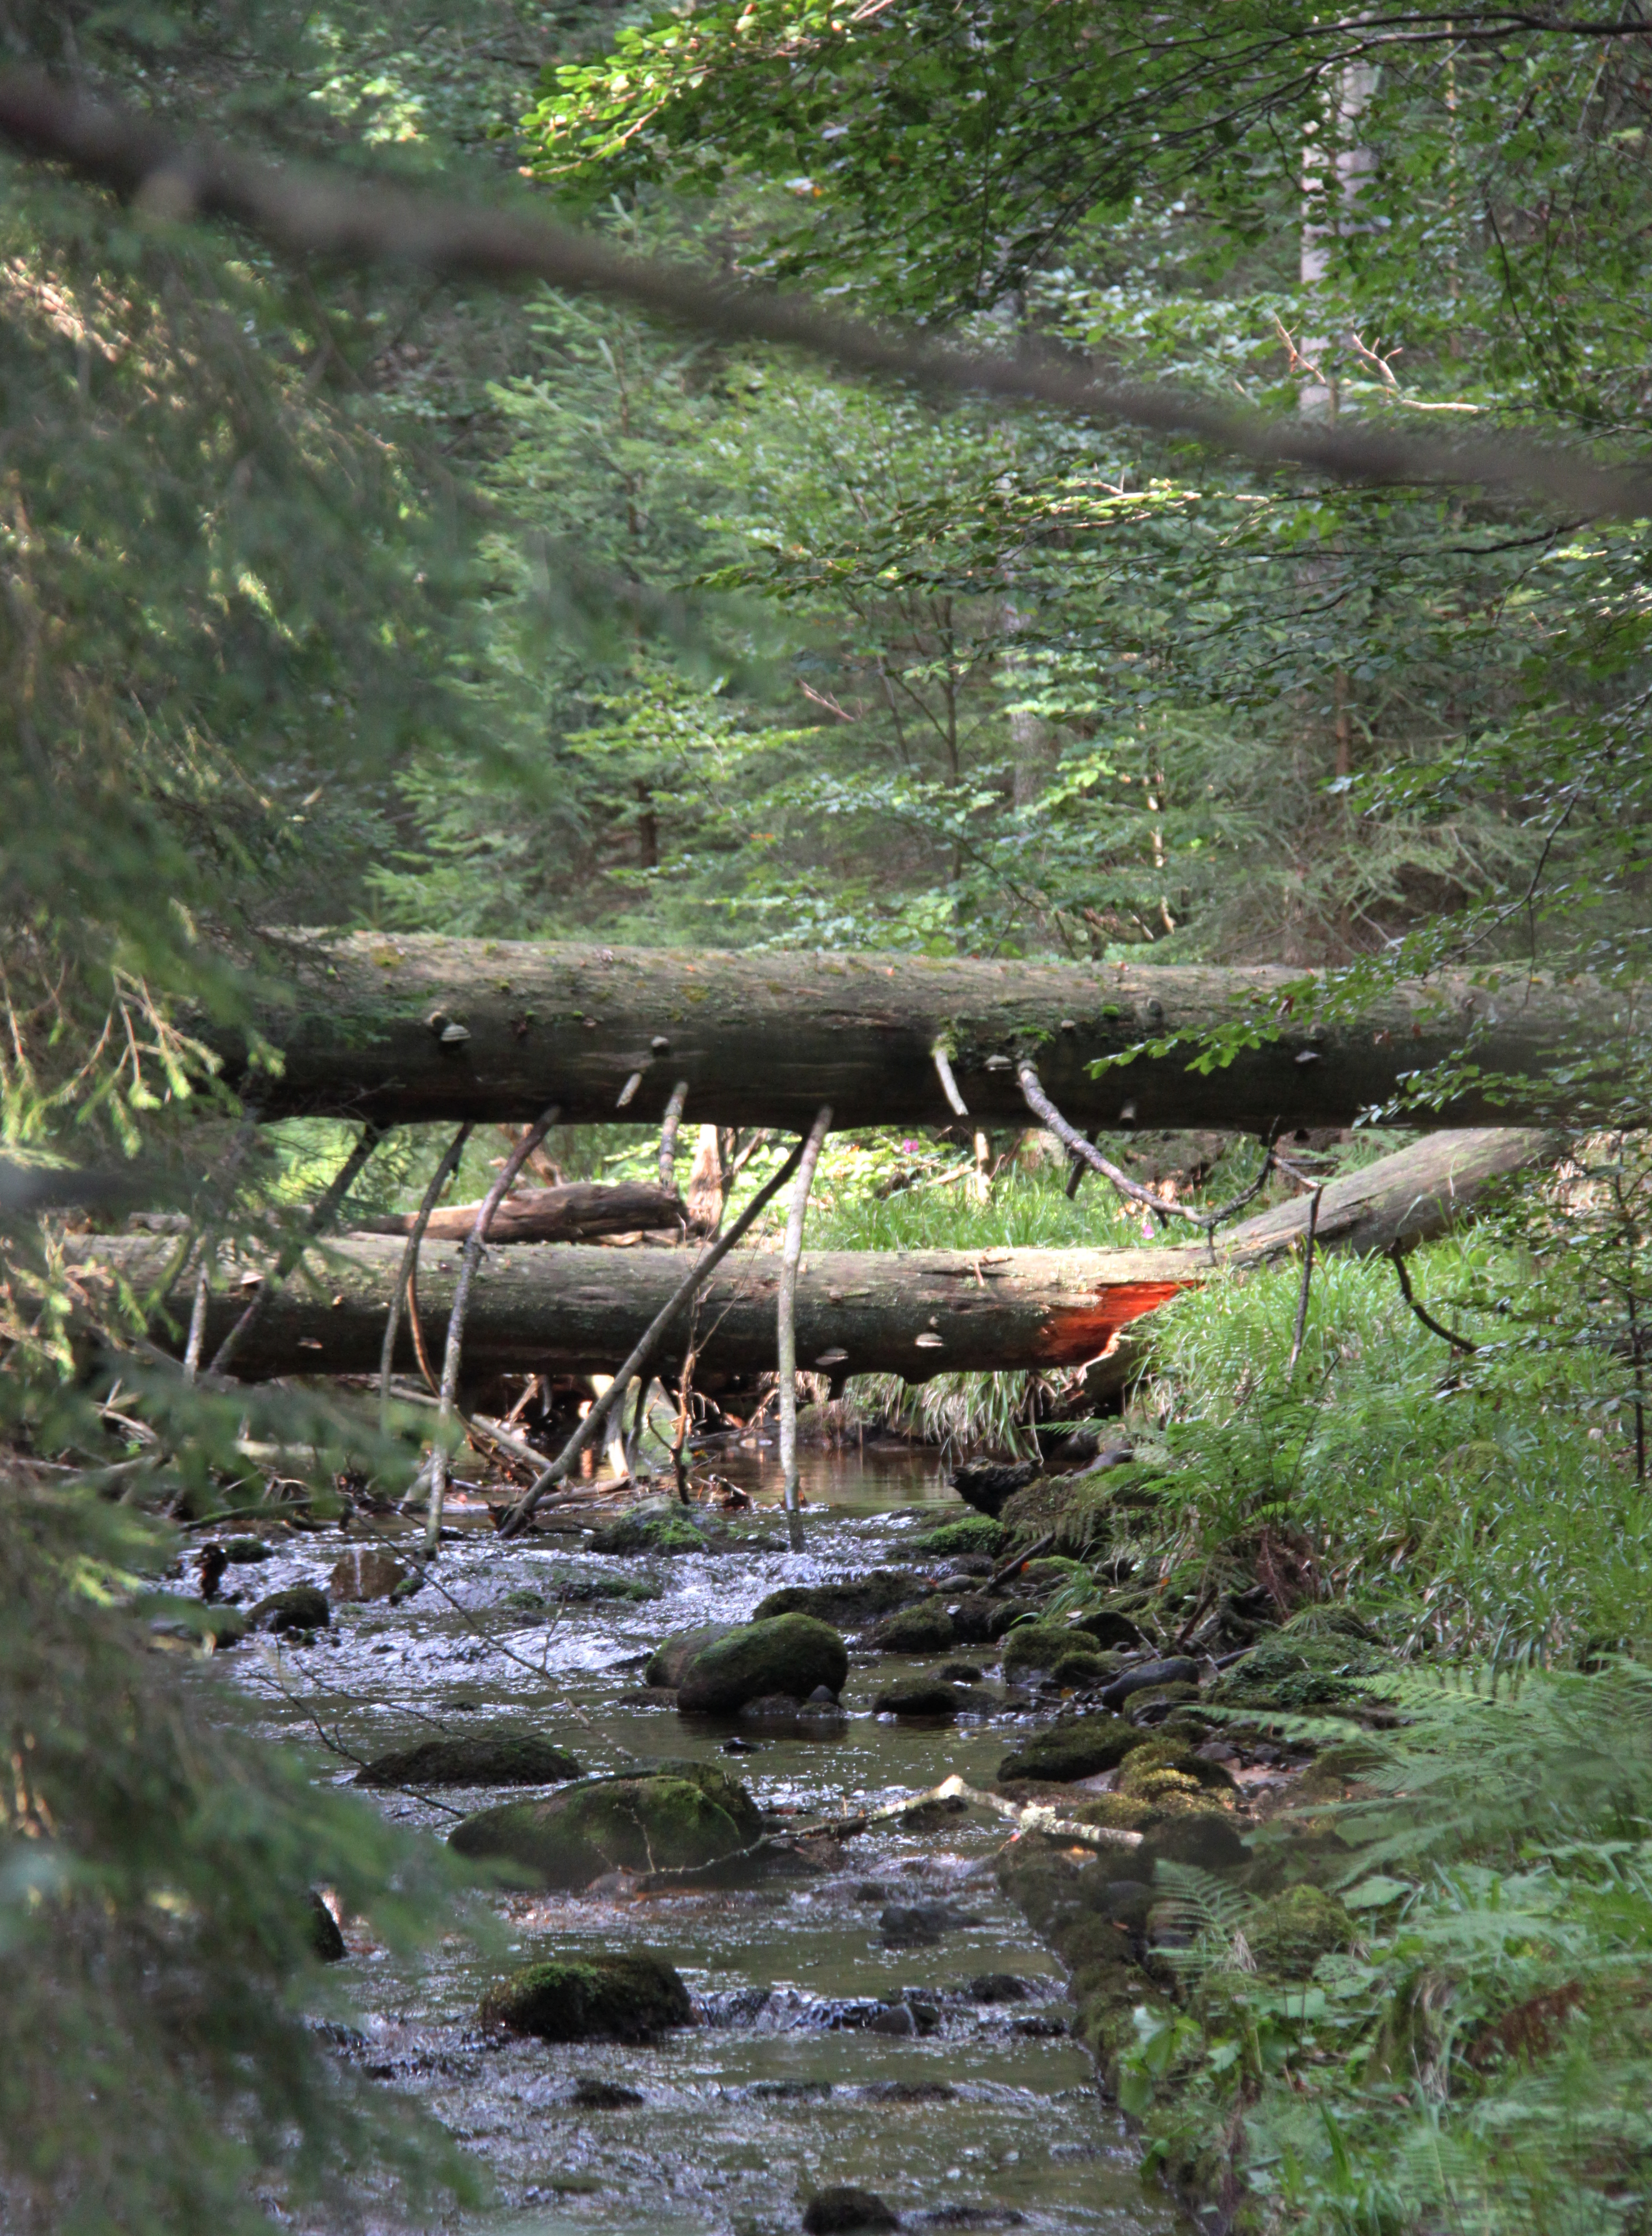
point(929, 2067)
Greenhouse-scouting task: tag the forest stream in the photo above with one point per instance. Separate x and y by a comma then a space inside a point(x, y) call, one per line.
point(828, 2049)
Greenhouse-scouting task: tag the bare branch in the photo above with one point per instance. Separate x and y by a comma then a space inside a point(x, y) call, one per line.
point(315, 213)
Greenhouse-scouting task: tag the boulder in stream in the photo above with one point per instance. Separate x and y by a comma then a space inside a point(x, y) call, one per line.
point(835, 2212)
point(1053, 1646)
point(934, 1700)
point(496, 1757)
point(300, 1607)
point(366, 1572)
point(659, 1527)
point(590, 1998)
point(925, 1629)
point(845, 1605)
point(678, 1815)
point(1082, 1748)
point(787, 1653)
point(672, 1656)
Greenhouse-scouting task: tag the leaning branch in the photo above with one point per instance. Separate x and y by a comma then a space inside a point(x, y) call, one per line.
point(321, 1217)
point(313, 213)
point(475, 1243)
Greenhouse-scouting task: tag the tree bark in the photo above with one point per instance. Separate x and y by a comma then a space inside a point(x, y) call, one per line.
point(915, 1313)
point(578, 1211)
point(423, 1029)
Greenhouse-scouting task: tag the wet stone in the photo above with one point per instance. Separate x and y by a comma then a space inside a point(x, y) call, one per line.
point(687, 1815)
point(1083, 1747)
point(496, 1757)
point(787, 1654)
point(925, 1629)
point(662, 1529)
point(365, 1573)
point(300, 1607)
point(997, 1988)
point(834, 2211)
point(672, 1656)
point(933, 1702)
point(629, 1997)
point(591, 2094)
point(845, 1606)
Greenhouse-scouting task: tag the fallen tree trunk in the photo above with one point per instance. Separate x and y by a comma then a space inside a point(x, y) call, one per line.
point(426, 1029)
point(578, 1211)
point(914, 1314)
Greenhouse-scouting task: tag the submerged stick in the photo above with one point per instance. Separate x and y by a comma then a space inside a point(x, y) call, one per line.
point(518, 1518)
point(320, 1219)
point(785, 1320)
point(439, 1179)
point(475, 1243)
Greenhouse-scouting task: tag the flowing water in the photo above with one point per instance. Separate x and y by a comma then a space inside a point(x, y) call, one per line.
point(988, 2115)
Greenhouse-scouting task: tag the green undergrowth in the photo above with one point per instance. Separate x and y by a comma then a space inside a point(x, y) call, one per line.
point(1428, 2005)
point(1469, 1507)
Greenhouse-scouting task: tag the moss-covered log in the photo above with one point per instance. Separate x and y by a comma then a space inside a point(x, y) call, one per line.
point(409, 1028)
point(915, 1313)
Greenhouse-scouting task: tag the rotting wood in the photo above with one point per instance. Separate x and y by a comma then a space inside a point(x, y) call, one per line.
point(578, 1211)
point(574, 1309)
point(425, 1028)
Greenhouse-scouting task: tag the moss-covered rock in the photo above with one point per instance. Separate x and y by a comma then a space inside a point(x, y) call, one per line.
point(845, 1606)
point(971, 1533)
point(925, 1629)
point(1084, 1666)
point(933, 1701)
point(1110, 1627)
point(583, 1588)
point(1163, 1758)
point(1295, 1669)
point(1050, 1571)
point(672, 1656)
point(1120, 1812)
point(1291, 1931)
point(652, 1529)
point(1041, 1644)
point(1206, 1838)
point(787, 1654)
point(1081, 1748)
point(590, 1998)
point(496, 1757)
point(682, 1814)
point(301, 1607)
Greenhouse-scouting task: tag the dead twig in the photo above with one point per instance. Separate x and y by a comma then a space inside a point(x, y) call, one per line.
point(1307, 1282)
point(321, 1217)
point(1458, 1342)
point(439, 1179)
point(475, 1243)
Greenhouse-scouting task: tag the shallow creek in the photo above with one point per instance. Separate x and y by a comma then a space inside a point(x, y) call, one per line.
point(990, 2116)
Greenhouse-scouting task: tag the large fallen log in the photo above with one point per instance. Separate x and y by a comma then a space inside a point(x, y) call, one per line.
point(409, 1028)
point(915, 1313)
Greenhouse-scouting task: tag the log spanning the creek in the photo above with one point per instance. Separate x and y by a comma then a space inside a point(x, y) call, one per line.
point(423, 1029)
point(536, 1307)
